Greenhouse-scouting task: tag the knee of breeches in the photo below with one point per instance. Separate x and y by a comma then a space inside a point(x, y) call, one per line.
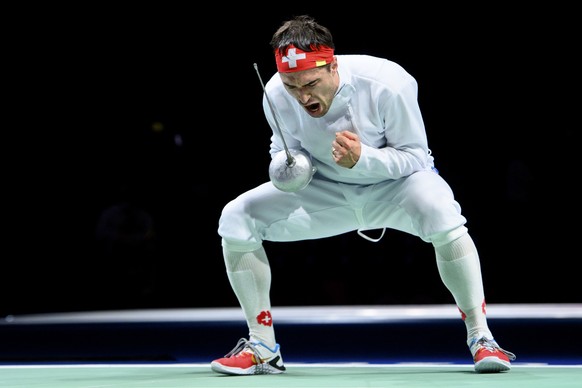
point(443, 238)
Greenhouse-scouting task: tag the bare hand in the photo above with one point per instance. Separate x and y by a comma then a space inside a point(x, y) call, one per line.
point(346, 149)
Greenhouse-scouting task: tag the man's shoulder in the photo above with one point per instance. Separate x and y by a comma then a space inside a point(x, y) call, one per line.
point(364, 61)
point(361, 58)
point(372, 68)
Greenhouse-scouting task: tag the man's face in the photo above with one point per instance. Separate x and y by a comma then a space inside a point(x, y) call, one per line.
point(314, 89)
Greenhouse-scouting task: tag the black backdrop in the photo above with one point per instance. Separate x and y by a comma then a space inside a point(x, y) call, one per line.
point(154, 114)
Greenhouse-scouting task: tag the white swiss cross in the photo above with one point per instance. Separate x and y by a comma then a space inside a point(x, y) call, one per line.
point(292, 57)
point(266, 320)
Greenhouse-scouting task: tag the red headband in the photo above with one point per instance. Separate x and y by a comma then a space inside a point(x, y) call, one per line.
point(299, 60)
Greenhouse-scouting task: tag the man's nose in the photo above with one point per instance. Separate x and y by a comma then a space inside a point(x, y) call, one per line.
point(304, 97)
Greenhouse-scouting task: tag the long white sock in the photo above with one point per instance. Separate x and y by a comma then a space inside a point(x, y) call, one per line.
point(460, 270)
point(249, 274)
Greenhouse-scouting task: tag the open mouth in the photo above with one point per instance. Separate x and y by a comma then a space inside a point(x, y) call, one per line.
point(312, 107)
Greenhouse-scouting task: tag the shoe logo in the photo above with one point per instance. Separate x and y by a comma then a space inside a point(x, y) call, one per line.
point(483, 307)
point(274, 363)
point(264, 318)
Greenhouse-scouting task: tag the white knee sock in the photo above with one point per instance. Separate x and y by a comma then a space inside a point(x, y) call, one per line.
point(249, 274)
point(460, 270)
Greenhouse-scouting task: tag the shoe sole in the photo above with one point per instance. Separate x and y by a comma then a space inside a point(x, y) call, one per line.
point(261, 369)
point(492, 365)
point(219, 368)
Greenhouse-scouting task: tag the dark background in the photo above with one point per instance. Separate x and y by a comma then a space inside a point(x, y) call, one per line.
point(128, 129)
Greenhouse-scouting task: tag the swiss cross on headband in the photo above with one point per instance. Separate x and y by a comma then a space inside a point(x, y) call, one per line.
point(299, 60)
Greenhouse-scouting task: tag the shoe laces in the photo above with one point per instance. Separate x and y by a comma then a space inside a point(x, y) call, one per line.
point(242, 345)
point(492, 346)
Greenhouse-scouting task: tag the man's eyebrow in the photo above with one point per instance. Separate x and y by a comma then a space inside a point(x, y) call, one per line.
point(307, 84)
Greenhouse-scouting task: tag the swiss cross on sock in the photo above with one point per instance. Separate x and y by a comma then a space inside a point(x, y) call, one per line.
point(265, 318)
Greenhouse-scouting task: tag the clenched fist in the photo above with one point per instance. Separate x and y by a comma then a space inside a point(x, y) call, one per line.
point(346, 149)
